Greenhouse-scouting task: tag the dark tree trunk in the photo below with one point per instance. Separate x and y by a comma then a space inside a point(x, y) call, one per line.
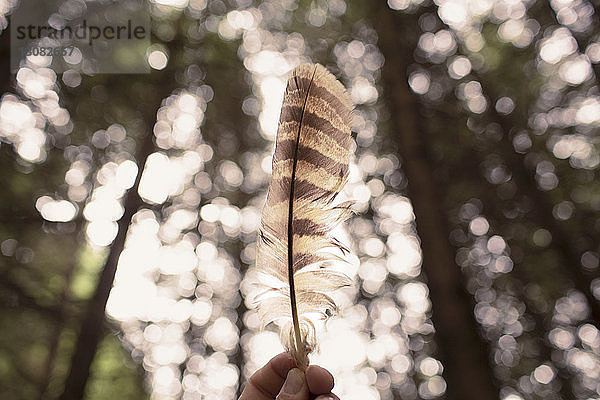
point(463, 352)
point(91, 330)
point(93, 322)
point(59, 324)
point(7, 77)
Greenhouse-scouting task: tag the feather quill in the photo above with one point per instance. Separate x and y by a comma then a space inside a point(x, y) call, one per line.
point(295, 248)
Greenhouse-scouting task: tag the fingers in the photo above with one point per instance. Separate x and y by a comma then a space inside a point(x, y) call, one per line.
point(329, 396)
point(295, 387)
point(319, 380)
point(265, 383)
point(280, 380)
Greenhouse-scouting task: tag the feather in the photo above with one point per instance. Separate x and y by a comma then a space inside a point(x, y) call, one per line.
point(295, 249)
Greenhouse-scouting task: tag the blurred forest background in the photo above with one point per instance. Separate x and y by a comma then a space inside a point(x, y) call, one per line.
point(130, 203)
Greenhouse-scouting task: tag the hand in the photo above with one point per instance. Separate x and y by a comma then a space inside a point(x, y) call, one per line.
point(280, 380)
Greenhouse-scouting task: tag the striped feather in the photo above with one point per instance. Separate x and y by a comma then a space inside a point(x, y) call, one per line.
point(310, 167)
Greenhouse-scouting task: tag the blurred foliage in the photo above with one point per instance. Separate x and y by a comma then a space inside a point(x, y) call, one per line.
point(500, 101)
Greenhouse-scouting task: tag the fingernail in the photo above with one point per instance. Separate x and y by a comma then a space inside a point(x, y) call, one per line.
point(293, 382)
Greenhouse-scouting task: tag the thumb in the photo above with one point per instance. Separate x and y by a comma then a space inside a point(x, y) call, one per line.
point(294, 387)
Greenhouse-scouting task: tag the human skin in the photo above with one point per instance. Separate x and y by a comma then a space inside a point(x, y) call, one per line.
point(279, 379)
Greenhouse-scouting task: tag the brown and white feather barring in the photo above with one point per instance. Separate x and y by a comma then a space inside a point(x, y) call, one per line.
point(295, 247)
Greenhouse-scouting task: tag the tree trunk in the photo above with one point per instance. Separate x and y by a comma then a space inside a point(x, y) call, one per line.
point(91, 330)
point(7, 76)
point(92, 325)
point(463, 352)
point(57, 330)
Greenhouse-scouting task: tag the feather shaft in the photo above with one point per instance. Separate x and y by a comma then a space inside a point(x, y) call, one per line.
point(295, 319)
